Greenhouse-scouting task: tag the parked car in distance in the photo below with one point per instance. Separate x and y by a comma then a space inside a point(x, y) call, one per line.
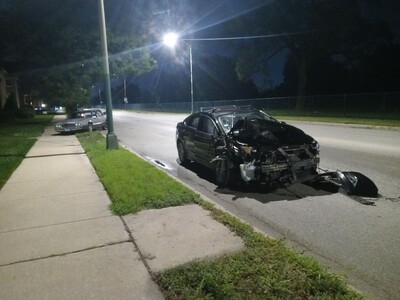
point(83, 120)
point(39, 110)
point(248, 145)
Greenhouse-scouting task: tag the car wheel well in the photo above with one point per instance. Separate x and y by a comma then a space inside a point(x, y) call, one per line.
point(224, 172)
point(181, 152)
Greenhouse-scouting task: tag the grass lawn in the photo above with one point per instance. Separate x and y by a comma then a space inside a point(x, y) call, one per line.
point(265, 269)
point(17, 136)
point(132, 183)
point(360, 119)
point(354, 121)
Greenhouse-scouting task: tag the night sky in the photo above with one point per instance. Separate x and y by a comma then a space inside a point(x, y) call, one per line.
point(192, 19)
point(212, 27)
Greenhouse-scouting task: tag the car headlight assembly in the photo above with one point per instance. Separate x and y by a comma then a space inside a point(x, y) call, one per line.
point(315, 146)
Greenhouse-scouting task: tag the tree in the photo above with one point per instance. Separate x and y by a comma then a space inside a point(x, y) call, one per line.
point(216, 79)
point(54, 46)
point(312, 31)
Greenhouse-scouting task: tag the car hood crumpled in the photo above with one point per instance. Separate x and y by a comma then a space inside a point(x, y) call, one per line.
point(273, 133)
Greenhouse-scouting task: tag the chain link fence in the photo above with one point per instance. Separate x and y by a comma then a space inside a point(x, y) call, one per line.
point(384, 104)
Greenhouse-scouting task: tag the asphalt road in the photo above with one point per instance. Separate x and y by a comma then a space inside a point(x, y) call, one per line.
point(359, 241)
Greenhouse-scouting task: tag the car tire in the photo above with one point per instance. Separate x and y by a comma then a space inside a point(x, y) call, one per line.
point(90, 127)
point(182, 153)
point(223, 174)
point(104, 127)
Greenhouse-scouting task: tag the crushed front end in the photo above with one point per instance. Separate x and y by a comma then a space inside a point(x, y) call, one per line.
point(272, 153)
point(275, 167)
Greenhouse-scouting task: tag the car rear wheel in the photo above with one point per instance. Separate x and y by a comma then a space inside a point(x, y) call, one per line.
point(182, 153)
point(223, 174)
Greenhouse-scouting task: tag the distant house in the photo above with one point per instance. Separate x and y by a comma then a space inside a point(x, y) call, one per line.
point(3, 88)
point(8, 86)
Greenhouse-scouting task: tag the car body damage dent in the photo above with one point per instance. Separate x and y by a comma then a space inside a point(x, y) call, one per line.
point(270, 152)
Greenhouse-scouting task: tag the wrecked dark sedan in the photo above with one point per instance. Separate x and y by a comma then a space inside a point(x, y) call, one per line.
point(248, 145)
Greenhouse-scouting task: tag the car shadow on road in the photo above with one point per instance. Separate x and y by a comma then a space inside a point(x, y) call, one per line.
point(266, 194)
point(292, 192)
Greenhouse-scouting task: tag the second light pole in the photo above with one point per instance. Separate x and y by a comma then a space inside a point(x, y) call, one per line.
point(171, 39)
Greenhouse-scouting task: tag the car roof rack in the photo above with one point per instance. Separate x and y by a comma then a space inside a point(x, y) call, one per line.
point(224, 108)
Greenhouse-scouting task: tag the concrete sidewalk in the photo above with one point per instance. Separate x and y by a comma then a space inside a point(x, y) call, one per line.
point(58, 239)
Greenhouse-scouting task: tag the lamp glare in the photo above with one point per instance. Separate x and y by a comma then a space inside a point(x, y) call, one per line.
point(170, 39)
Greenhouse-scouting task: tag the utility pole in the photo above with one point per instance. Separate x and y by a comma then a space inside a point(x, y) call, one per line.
point(125, 98)
point(111, 138)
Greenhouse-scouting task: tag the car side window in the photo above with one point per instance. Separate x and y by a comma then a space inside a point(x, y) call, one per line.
point(193, 122)
point(207, 126)
point(226, 122)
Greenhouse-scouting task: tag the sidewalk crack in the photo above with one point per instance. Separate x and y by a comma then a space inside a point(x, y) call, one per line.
point(66, 253)
point(56, 224)
point(55, 155)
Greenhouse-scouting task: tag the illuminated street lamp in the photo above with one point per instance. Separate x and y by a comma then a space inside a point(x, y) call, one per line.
point(170, 40)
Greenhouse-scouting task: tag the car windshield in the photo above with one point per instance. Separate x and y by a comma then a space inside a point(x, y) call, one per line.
point(81, 114)
point(229, 120)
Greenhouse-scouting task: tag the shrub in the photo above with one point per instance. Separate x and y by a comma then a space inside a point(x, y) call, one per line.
point(25, 113)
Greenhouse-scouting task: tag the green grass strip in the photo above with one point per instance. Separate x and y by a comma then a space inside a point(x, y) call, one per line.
point(132, 183)
point(352, 119)
point(265, 269)
point(349, 121)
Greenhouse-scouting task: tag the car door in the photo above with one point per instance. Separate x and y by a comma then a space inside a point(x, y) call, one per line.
point(204, 142)
point(188, 133)
point(97, 119)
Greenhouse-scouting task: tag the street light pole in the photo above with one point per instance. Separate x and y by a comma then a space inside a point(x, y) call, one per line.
point(125, 98)
point(100, 102)
point(191, 75)
point(170, 40)
point(124, 88)
point(111, 138)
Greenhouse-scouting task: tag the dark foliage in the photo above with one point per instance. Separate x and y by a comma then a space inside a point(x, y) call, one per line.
point(54, 47)
point(25, 113)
